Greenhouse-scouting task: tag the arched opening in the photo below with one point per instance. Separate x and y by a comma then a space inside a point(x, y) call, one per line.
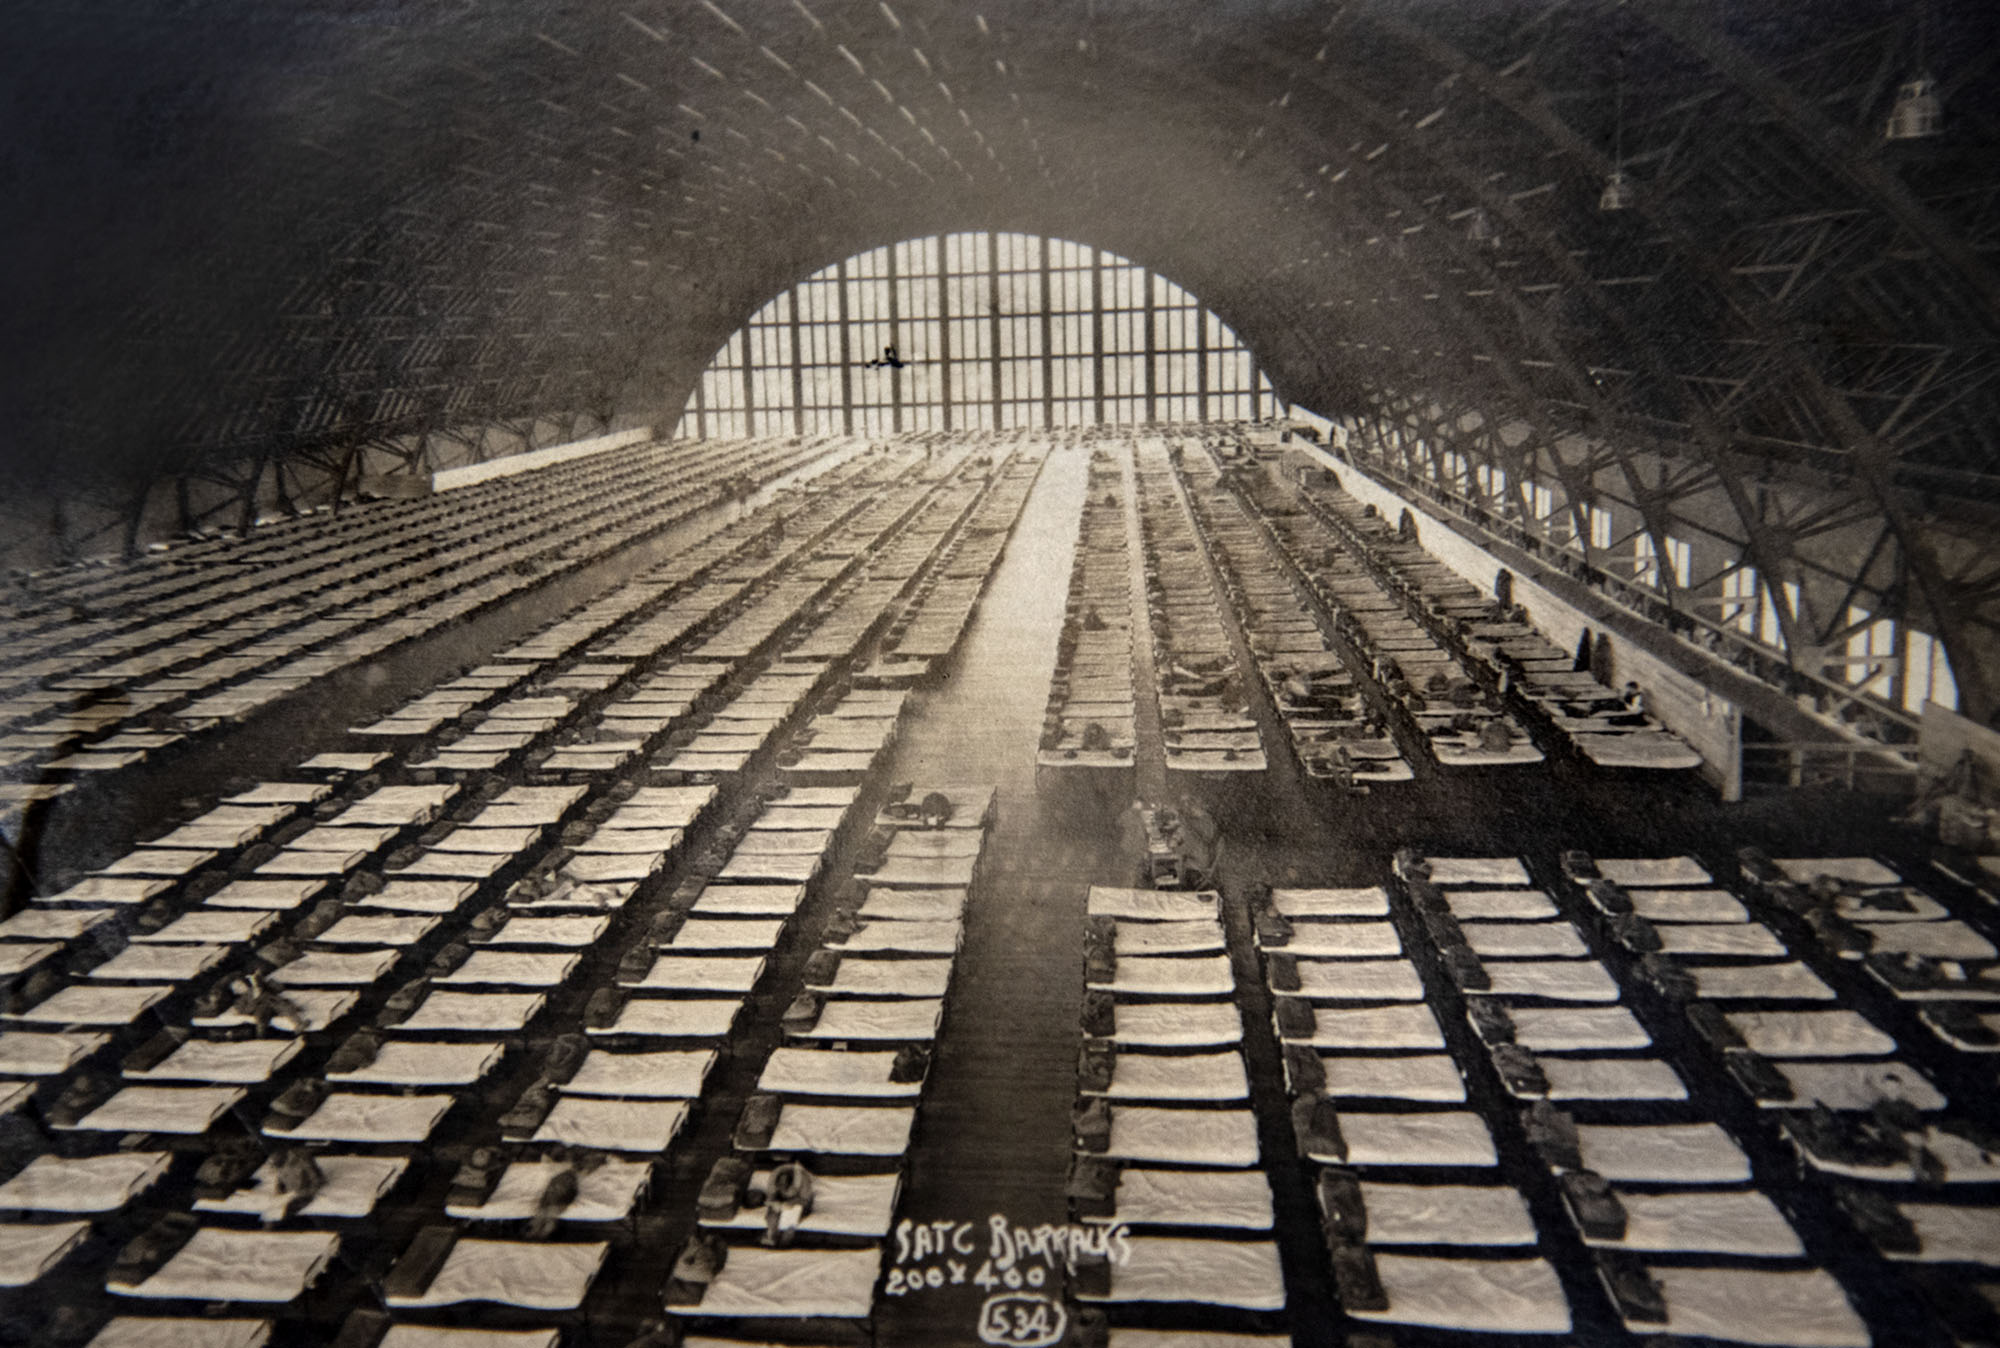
point(976, 331)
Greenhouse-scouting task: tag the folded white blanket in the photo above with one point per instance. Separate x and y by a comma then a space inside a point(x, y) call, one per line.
point(677, 1017)
point(758, 1284)
point(703, 973)
point(1449, 1137)
point(902, 1019)
point(1430, 1077)
point(1638, 872)
point(1512, 905)
point(484, 1012)
point(1488, 871)
point(404, 1063)
point(346, 1116)
point(868, 1130)
point(843, 1205)
point(1446, 1214)
point(1666, 1153)
point(350, 1186)
point(185, 1110)
point(84, 1183)
point(670, 1074)
point(646, 1126)
point(812, 1071)
point(30, 1249)
point(1509, 1296)
point(1239, 1199)
point(238, 1062)
point(1177, 1024)
point(1224, 1137)
point(1369, 901)
point(219, 1264)
point(540, 1275)
point(1705, 1221)
point(605, 1192)
point(1805, 1309)
point(1212, 1272)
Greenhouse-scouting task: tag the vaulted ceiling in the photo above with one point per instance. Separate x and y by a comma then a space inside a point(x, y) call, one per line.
point(242, 229)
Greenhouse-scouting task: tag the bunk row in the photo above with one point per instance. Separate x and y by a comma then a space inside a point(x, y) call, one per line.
point(339, 951)
point(311, 978)
point(1090, 721)
point(237, 657)
point(1334, 732)
point(1460, 721)
point(1205, 720)
point(917, 647)
point(1167, 1152)
point(793, 1219)
point(1574, 702)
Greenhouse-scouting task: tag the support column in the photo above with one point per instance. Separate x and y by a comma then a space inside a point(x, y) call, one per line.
point(846, 359)
point(1152, 352)
point(1097, 331)
point(993, 319)
point(798, 369)
point(944, 331)
point(1048, 332)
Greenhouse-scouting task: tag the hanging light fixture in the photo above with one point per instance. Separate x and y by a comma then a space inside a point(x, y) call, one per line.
point(1618, 193)
point(1918, 113)
point(1481, 230)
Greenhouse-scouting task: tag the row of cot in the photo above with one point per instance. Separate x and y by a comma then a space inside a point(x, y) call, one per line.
point(836, 1101)
point(594, 889)
point(1681, 1236)
point(170, 676)
point(1333, 732)
point(1205, 720)
point(1090, 721)
point(1574, 703)
point(919, 644)
point(1462, 723)
point(1167, 1153)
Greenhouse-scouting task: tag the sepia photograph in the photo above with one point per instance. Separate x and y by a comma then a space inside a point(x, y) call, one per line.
point(1038, 673)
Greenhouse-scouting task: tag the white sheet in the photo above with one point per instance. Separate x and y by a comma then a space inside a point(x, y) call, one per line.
point(675, 1074)
point(843, 1205)
point(1513, 905)
point(757, 1283)
point(402, 1063)
point(811, 1071)
point(1406, 1026)
point(1505, 1296)
point(239, 1062)
point(480, 1012)
point(82, 1184)
point(1213, 1272)
point(1611, 1079)
point(90, 1004)
point(1854, 870)
point(1359, 981)
point(1728, 938)
point(1134, 939)
point(605, 1192)
point(1341, 940)
point(30, 1249)
point(1856, 1085)
point(1556, 980)
point(888, 978)
point(349, 1189)
point(1151, 905)
point(869, 1130)
point(1192, 976)
point(1368, 901)
point(146, 1331)
point(1688, 905)
point(143, 963)
point(1430, 1077)
point(1446, 1214)
point(646, 1126)
point(1947, 1233)
point(1177, 1024)
point(549, 931)
point(511, 968)
point(26, 1053)
point(1792, 982)
point(1239, 1199)
point(702, 973)
point(355, 929)
point(1742, 1222)
point(1445, 1137)
point(1810, 1034)
point(916, 938)
point(1559, 1029)
point(1523, 940)
point(348, 1116)
point(317, 1008)
point(1214, 1137)
point(1665, 1153)
point(676, 1017)
point(219, 1264)
point(914, 1018)
point(1805, 1309)
point(1492, 872)
point(749, 900)
point(186, 1110)
point(726, 934)
point(1653, 872)
point(420, 896)
point(53, 924)
point(273, 896)
point(357, 968)
point(540, 1275)
point(913, 905)
point(1156, 1076)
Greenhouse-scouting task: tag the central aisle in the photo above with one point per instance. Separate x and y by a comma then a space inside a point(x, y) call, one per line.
point(993, 1134)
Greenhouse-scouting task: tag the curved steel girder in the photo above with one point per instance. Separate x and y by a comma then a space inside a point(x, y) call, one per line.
point(1976, 696)
point(1831, 145)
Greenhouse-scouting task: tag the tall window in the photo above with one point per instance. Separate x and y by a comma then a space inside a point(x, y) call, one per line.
point(1927, 673)
point(989, 330)
point(1871, 651)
